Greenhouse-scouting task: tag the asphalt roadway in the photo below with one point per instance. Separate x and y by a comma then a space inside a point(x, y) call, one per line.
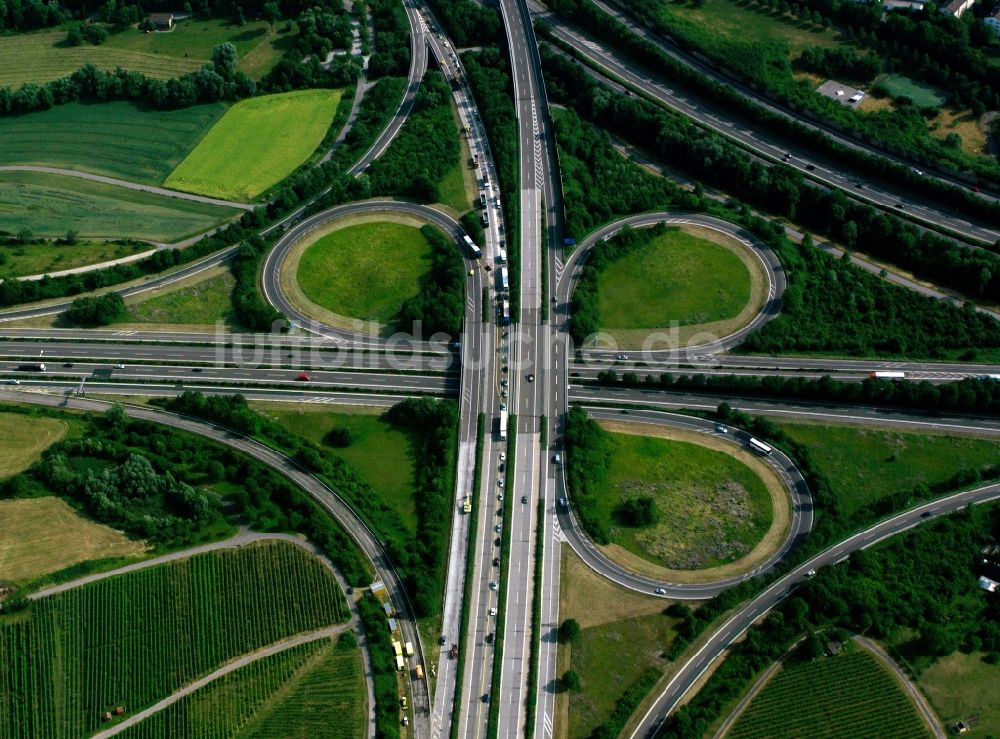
point(366, 540)
point(792, 480)
point(765, 144)
point(728, 632)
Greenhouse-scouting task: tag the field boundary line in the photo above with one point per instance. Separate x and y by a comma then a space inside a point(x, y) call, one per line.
point(126, 184)
point(236, 664)
point(243, 538)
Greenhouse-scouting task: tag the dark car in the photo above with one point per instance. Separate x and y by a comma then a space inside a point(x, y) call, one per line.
point(67, 364)
point(196, 369)
point(486, 697)
point(496, 542)
point(524, 498)
point(496, 561)
point(810, 167)
point(925, 514)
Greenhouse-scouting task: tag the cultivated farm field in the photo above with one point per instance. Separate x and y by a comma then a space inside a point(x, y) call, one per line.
point(133, 639)
point(314, 690)
point(51, 205)
point(40, 57)
point(43, 535)
point(24, 440)
point(848, 695)
point(116, 139)
point(256, 144)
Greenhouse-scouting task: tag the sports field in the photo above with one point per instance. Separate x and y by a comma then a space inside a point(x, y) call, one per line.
point(710, 508)
point(382, 452)
point(848, 695)
point(365, 271)
point(51, 205)
point(40, 259)
point(117, 139)
point(41, 57)
point(133, 639)
point(864, 465)
point(256, 144)
point(677, 277)
point(43, 535)
point(24, 439)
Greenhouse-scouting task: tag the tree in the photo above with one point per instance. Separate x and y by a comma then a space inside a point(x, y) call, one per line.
point(571, 680)
point(569, 630)
point(272, 14)
point(638, 511)
point(99, 311)
point(74, 36)
point(224, 59)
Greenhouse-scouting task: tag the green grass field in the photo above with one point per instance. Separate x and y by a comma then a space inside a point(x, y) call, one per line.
point(259, 48)
point(866, 464)
point(611, 657)
point(40, 259)
point(24, 440)
point(675, 277)
point(133, 639)
point(203, 302)
point(961, 687)
point(365, 271)
point(921, 94)
point(850, 695)
point(384, 454)
point(117, 139)
point(312, 691)
point(711, 508)
point(256, 144)
point(51, 205)
point(752, 23)
point(42, 56)
point(454, 186)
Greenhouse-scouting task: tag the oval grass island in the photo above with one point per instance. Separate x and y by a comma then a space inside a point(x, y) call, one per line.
point(689, 282)
point(357, 273)
point(715, 510)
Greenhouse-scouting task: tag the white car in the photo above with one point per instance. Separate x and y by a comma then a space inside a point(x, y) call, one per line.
point(493, 611)
point(503, 456)
point(13, 381)
point(119, 366)
point(494, 585)
point(500, 483)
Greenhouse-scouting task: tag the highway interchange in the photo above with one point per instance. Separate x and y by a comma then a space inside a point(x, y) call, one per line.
point(529, 366)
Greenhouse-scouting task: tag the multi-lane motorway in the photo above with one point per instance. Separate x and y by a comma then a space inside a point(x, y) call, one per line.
point(531, 366)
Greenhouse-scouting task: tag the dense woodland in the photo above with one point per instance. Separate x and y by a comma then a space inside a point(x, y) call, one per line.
point(418, 556)
point(424, 150)
point(600, 184)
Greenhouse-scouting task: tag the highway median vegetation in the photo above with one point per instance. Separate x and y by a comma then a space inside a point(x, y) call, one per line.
point(45, 257)
point(890, 592)
point(62, 657)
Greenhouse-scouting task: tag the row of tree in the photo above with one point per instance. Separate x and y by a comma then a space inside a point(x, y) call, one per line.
point(95, 311)
point(440, 304)
point(419, 555)
point(391, 53)
point(736, 102)
point(920, 589)
point(778, 188)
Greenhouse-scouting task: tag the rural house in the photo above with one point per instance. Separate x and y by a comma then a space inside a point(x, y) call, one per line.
point(161, 21)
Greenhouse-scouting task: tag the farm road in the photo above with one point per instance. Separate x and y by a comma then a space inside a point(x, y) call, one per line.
point(236, 664)
point(926, 712)
point(244, 537)
point(125, 183)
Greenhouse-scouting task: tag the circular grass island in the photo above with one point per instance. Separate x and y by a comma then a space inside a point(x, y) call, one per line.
point(358, 272)
point(680, 505)
point(689, 280)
